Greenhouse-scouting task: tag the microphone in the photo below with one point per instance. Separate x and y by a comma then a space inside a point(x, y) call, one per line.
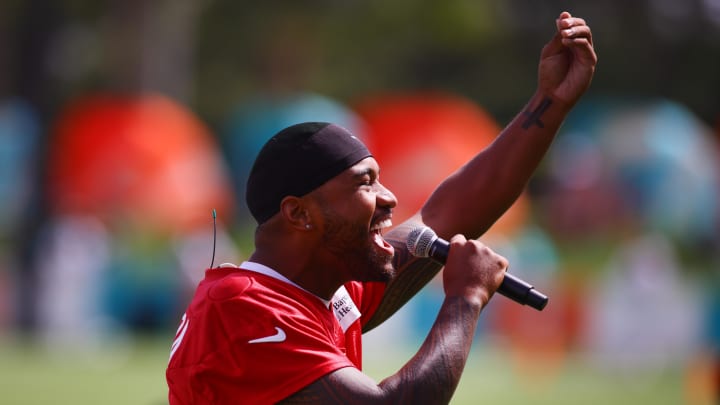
point(423, 242)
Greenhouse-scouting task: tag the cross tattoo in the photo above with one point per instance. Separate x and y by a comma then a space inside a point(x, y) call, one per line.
point(533, 117)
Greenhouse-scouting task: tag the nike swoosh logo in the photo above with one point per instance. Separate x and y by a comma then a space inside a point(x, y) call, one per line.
point(278, 337)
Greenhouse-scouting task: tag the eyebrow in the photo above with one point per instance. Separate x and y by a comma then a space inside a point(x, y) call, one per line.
point(366, 172)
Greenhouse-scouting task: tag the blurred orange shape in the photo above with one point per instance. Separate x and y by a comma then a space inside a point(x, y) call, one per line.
point(420, 139)
point(144, 159)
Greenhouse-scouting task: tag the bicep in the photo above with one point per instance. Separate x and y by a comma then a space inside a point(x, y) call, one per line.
point(347, 385)
point(467, 203)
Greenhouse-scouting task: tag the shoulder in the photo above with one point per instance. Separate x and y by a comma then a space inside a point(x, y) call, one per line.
point(236, 289)
point(229, 287)
point(230, 282)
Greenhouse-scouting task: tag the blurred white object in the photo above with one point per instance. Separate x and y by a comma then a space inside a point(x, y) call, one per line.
point(643, 315)
point(73, 253)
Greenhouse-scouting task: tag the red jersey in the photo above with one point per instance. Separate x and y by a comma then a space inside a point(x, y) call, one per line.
point(252, 336)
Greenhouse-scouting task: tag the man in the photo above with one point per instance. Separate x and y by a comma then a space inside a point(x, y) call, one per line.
point(286, 325)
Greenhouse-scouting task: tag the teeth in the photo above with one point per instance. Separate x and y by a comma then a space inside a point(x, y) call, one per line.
point(386, 223)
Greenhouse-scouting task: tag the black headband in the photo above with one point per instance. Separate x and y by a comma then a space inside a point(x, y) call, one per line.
point(296, 161)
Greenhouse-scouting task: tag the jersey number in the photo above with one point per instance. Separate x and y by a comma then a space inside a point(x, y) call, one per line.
point(179, 335)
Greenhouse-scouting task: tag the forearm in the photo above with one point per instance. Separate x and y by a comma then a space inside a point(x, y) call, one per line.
point(477, 194)
point(516, 153)
point(432, 375)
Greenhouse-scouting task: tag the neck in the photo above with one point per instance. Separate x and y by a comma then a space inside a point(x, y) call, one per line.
point(268, 271)
point(298, 256)
point(301, 271)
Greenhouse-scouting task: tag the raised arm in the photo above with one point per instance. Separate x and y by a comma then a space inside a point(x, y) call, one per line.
point(475, 196)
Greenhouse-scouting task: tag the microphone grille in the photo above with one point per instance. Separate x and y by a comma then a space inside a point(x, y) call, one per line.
point(420, 241)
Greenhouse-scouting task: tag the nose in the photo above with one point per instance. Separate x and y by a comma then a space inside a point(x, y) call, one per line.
point(385, 197)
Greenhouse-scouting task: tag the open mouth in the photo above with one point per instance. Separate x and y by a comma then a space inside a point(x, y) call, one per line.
point(376, 232)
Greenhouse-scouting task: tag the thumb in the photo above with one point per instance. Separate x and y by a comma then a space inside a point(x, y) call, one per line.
point(553, 47)
point(562, 16)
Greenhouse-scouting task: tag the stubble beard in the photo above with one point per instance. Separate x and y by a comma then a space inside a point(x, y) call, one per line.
point(352, 245)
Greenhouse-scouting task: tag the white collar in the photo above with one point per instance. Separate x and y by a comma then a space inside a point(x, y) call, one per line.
point(263, 269)
point(345, 310)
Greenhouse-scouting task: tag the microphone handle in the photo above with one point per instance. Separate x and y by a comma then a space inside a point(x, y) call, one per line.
point(522, 292)
point(511, 286)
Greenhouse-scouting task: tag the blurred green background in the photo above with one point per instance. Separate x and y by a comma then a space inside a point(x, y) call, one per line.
point(123, 124)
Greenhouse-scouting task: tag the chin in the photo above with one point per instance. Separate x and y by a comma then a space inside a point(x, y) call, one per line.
point(383, 271)
point(388, 274)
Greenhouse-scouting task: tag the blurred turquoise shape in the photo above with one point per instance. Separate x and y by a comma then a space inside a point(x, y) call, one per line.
point(659, 159)
point(19, 134)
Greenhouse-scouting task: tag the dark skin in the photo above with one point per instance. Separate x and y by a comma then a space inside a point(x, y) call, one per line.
point(352, 206)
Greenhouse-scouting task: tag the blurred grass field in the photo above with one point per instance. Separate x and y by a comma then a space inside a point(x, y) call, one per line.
point(134, 374)
point(125, 374)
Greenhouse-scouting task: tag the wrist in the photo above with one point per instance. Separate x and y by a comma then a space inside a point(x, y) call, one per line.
point(474, 300)
point(544, 111)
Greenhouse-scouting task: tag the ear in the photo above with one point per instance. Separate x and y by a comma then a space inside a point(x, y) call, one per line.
point(295, 212)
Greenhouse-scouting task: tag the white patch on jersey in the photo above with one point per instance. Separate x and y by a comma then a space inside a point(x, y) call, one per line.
point(345, 310)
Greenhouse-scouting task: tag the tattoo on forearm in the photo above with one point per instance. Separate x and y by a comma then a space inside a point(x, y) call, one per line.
point(439, 363)
point(533, 117)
